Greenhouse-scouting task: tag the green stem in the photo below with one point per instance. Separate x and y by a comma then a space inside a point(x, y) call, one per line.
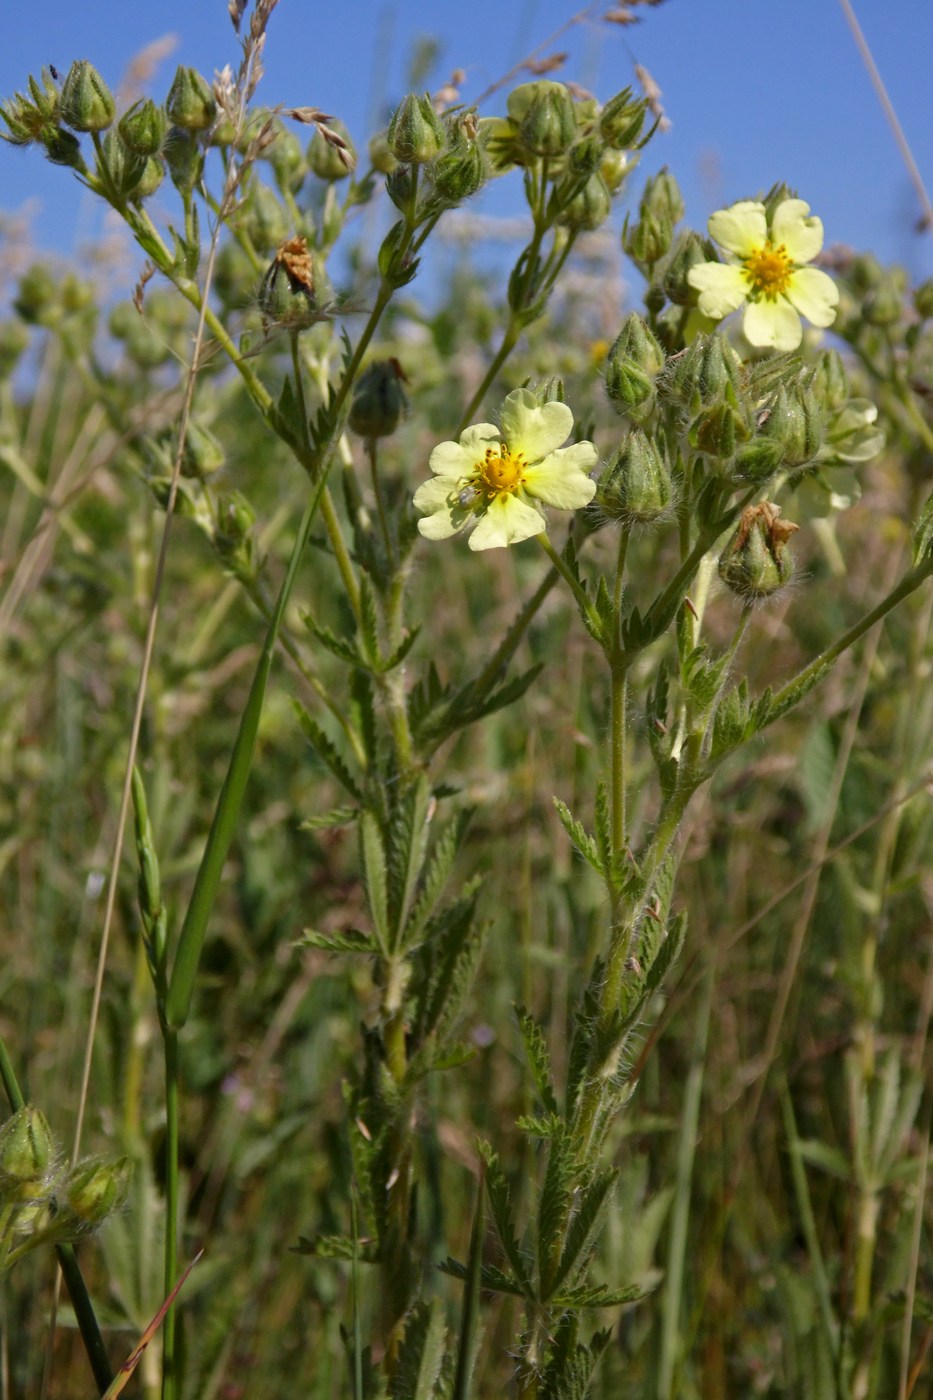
point(170, 1272)
point(509, 341)
point(574, 586)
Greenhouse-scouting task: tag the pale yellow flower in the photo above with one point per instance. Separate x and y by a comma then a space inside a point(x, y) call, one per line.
point(490, 482)
point(767, 272)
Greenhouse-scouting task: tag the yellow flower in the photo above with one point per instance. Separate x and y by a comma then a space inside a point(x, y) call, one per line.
point(490, 481)
point(767, 272)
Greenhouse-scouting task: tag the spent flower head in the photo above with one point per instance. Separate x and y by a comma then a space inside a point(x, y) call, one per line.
point(767, 272)
point(492, 480)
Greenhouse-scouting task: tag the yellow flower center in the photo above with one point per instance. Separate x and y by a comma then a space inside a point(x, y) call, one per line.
point(501, 471)
point(768, 271)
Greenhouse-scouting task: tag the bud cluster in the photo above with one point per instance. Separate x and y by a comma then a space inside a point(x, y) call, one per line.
point(42, 1203)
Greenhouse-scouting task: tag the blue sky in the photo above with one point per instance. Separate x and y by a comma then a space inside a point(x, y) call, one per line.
point(756, 90)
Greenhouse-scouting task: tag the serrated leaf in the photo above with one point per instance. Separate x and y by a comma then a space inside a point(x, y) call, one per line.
point(498, 1193)
point(337, 816)
point(349, 940)
point(326, 751)
point(434, 880)
point(337, 646)
point(539, 1125)
point(396, 657)
point(582, 842)
point(494, 1280)
point(420, 1354)
point(828, 1159)
point(337, 1247)
point(667, 953)
point(538, 1057)
point(598, 1296)
point(584, 1227)
point(555, 1206)
point(603, 825)
point(375, 877)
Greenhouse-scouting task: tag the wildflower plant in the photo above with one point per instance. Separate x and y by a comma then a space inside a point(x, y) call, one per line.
point(667, 508)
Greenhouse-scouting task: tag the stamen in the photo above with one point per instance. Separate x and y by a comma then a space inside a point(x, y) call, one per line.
point(768, 270)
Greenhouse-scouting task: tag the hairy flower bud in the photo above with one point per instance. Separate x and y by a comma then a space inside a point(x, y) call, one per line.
point(720, 430)
point(142, 128)
point(63, 148)
point(621, 120)
point(28, 119)
point(190, 103)
point(380, 154)
point(117, 168)
point(884, 304)
point(460, 172)
point(95, 1189)
point(287, 159)
point(756, 563)
point(416, 134)
point(263, 218)
point(203, 454)
point(184, 159)
point(794, 420)
point(636, 485)
point(689, 249)
point(27, 1154)
point(379, 402)
point(632, 366)
point(287, 295)
point(662, 198)
point(701, 375)
point(830, 381)
point(86, 102)
point(589, 208)
point(329, 161)
point(544, 116)
point(648, 239)
point(923, 299)
point(14, 340)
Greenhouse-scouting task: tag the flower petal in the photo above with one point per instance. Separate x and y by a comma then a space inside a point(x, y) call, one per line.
point(435, 494)
point(801, 237)
point(773, 323)
point(722, 288)
point(507, 521)
point(814, 294)
point(561, 480)
point(439, 526)
point(740, 229)
point(451, 462)
point(534, 429)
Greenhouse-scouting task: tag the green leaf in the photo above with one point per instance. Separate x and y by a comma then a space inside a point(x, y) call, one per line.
point(337, 1247)
point(494, 1280)
point(349, 940)
point(582, 842)
point(538, 1057)
point(434, 879)
point(469, 1317)
point(500, 1202)
point(554, 1208)
point(337, 816)
point(584, 1227)
point(421, 1354)
point(327, 752)
point(337, 646)
point(372, 856)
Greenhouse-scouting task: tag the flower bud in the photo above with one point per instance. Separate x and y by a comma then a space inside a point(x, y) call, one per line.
point(36, 300)
point(150, 180)
point(63, 148)
point(96, 1188)
point(184, 159)
point(648, 239)
point(795, 421)
point(585, 155)
point(328, 160)
point(287, 160)
point(543, 113)
point(758, 459)
point(587, 209)
point(27, 1154)
point(621, 120)
point(28, 118)
point(415, 135)
point(632, 366)
point(286, 294)
point(117, 167)
point(501, 141)
point(401, 187)
point(830, 381)
point(923, 299)
point(379, 402)
point(235, 516)
point(380, 154)
point(689, 249)
point(615, 167)
point(86, 102)
point(142, 128)
point(756, 563)
point(190, 103)
point(884, 303)
point(263, 218)
point(459, 173)
point(719, 430)
point(701, 375)
point(636, 485)
point(662, 198)
point(14, 340)
point(203, 454)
